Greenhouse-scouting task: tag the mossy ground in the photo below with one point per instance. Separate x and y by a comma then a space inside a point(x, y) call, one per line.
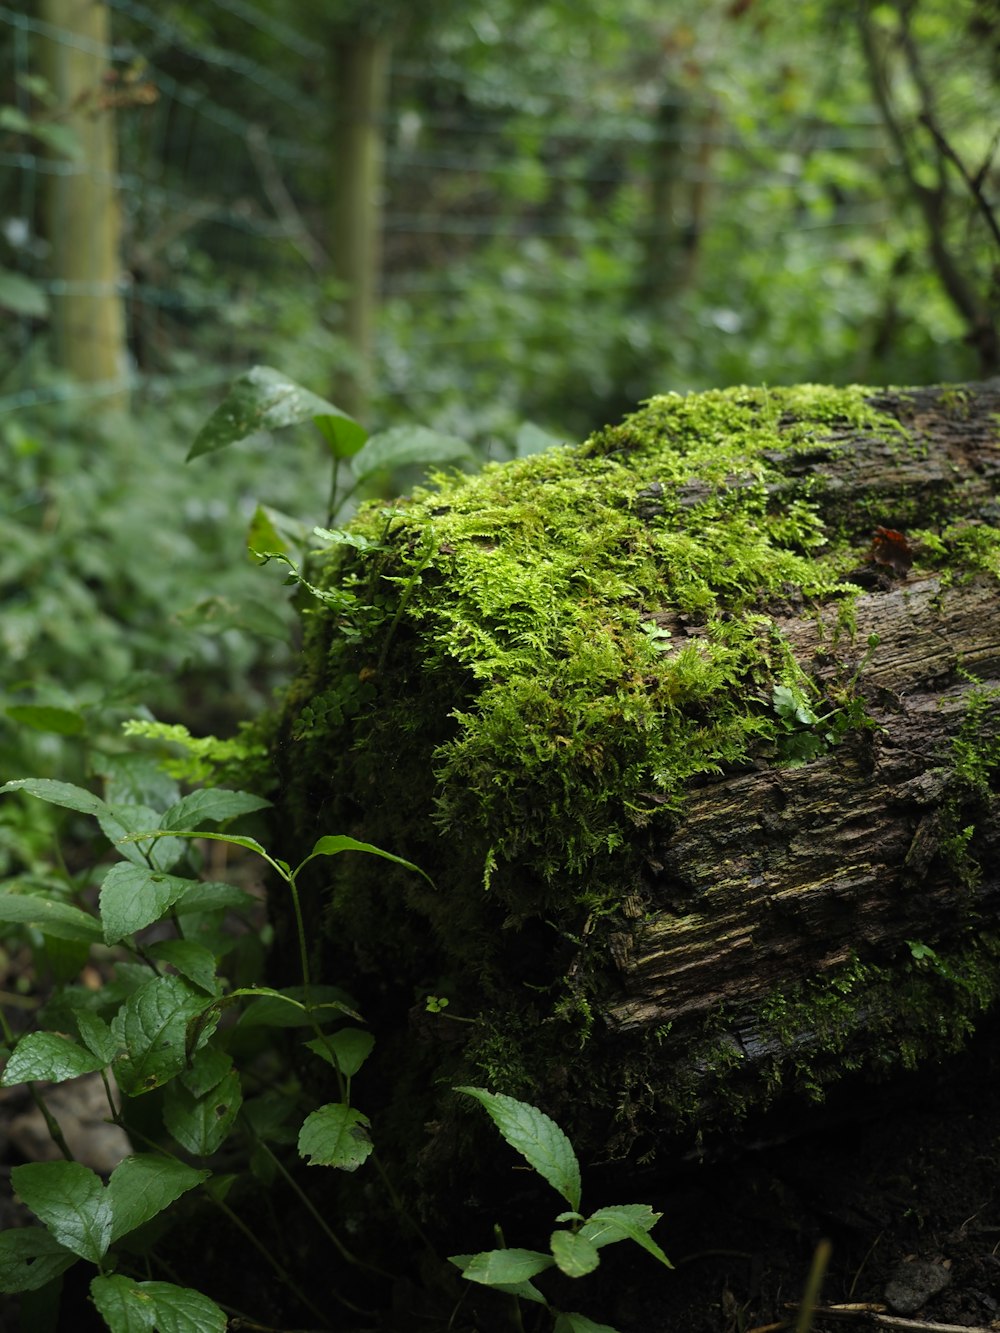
point(515, 678)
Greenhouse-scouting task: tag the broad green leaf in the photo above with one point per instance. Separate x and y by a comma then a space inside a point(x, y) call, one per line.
point(407, 446)
point(335, 1135)
point(72, 1202)
point(143, 1185)
point(623, 1217)
point(30, 1258)
point(59, 793)
point(192, 960)
point(334, 844)
point(138, 1307)
point(96, 1035)
point(122, 823)
point(350, 1048)
point(504, 1268)
point(50, 1056)
point(538, 1139)
point(260, 399)
point(525, 1291)
point(210, 803)
point(201, 1124)
point(151, 1027)
point(579, 1323)
point(61, 920)
point(14, 120)
point(42, 717)
point(574, 1254)
point(212, 896)
point(207, 1069)
point(134, 896)
point(343, 434)
point(604, 1227)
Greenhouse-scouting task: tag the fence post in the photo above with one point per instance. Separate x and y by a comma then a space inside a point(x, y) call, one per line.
point(83, 220)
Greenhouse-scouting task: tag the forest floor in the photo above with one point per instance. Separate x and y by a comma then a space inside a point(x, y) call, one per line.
point(902, 1179)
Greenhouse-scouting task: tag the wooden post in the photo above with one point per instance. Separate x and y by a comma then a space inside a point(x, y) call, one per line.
point(361, 70)
point(81, 205)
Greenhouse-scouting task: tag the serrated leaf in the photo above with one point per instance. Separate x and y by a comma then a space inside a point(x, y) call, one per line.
point(65, 794)
point(30, 1258)
point(42, 717)
point(579, 1323)
point(96, 1035)
point(200, 1124)
point(334, 844)
point(350, 1048)
point(335, 1135)
point(151, 1026)
point(134, 896)
point(505, 1268)
point(260, 399)
point(603, 1227)
point(537, 1138)
point(573, 1253)
point(191, 960)
point(623, 1217)
point(526, 1291)
point(72, 1202)
point(50, 1056)
point(407, 446)
point(213, 804)
point(143, 1185)
point(121, 823)
point(61, 920)
point(137, 1307)
point(207, 1070)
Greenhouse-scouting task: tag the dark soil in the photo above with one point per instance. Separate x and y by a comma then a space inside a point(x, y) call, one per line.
point(902, 1179)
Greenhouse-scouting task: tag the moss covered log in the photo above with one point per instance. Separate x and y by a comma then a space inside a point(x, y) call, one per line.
point(696, 728)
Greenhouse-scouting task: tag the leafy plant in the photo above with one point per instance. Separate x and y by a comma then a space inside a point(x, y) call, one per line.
point(575, 1244)
point(154, 1027)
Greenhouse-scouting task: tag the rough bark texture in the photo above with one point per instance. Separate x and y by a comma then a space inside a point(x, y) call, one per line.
point(658, 919)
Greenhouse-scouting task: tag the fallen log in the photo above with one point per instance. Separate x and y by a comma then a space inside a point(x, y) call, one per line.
point(696, 729)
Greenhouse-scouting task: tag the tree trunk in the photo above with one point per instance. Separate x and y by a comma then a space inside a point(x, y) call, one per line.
point(696, 729)
point(81, 204)
point(361, 73)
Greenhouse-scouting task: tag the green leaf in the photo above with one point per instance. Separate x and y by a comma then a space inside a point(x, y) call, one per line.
point(260, 399)
point(504, 1268)
point(138, 1307)
point(151, 1026)
point(604, 1229)
point(263, 538)
point(59, 793)
point(537, 1138)
point(334, 844)
point(133, 896)
point(406, 446)
point(60, 138)
point(58, 919)
point(41, 717)
point(212, 896)
point(335, 1135)
point(526, 1291)
point(48, 1055)
point(191, 960)
point(200, 1124)
point(578, 1323)
point(624, 1218)
point(213, 804)
point(30, 1258)
point(143, 1185)
point(121, 823)
point(343, 434)
point(96, 1035)
point(350, 1047)
point(574, 1254)
point(72, 1202)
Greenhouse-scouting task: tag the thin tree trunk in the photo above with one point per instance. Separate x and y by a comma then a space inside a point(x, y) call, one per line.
point(81, 204)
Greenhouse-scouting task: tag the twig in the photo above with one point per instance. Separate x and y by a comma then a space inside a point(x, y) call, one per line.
point(875, 1316)
point(974, 186)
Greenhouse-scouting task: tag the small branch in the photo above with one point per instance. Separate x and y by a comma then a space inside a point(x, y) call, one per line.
point(875, 1316)
point(974, 185)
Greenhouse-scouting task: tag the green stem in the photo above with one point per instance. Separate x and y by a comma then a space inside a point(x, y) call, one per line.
point(51, 1123)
